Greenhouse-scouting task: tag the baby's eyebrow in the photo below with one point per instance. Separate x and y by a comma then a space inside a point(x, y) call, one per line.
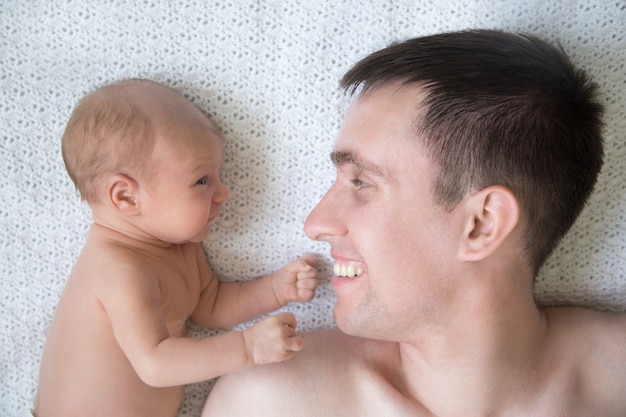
point(340, 158)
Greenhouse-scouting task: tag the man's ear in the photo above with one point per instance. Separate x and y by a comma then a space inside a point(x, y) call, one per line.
point(122, 194)
point(491, 215)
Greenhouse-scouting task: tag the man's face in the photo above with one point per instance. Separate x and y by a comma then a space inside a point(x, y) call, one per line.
point(390, 242)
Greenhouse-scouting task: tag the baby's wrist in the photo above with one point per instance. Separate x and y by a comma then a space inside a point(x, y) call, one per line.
point(248, 346)
point(280, 301)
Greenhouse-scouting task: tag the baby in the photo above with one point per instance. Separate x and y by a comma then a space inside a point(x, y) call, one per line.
point(148, 163)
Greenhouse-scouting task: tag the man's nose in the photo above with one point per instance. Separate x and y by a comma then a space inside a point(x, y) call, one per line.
point(326, 218)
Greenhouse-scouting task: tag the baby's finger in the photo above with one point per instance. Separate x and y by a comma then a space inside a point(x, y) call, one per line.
point(287, 319)
point(306, 284)
point(294, 344)
point(311, 273)
point(305, 295)
point(309, 258)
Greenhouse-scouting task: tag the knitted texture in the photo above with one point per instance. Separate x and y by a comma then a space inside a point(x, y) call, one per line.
point(267, 73)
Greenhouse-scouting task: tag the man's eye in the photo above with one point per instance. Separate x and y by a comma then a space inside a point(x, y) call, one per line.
point(359, 184)
point(201, 181)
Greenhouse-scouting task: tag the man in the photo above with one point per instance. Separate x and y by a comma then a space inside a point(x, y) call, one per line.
point(462, 161)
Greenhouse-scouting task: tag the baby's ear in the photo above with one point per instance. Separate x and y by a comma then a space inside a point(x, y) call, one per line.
point(492, 214)
point(122, 194)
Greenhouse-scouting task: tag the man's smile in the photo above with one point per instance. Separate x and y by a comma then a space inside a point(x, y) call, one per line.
point(342, 269)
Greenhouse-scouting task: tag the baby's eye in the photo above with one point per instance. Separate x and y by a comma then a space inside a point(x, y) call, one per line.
point(201, 181)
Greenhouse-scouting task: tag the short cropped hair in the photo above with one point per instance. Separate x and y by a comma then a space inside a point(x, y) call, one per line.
point(500, 108)
point(108, 132)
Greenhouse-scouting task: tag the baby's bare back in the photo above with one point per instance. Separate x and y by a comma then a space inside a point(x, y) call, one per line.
point(84, 371)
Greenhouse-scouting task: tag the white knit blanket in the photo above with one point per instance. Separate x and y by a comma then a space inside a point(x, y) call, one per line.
point(267, 72)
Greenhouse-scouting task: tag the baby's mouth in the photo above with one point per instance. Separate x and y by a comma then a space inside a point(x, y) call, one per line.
point(347, 270)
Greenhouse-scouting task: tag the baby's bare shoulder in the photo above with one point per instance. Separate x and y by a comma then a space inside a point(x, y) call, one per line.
point(102, 256)
point(108, 272)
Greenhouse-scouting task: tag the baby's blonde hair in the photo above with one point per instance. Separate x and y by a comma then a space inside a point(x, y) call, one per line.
point(108, 132)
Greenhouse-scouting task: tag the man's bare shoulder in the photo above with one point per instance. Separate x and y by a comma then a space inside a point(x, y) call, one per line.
point(592, 328)
point(322, 375)
point(593, 344)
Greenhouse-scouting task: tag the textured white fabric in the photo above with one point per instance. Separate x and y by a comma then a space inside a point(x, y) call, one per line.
point(267, 72)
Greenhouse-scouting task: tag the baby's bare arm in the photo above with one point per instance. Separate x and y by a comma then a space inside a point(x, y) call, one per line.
point(182, 360)
point(158, 351)
point(224, 304)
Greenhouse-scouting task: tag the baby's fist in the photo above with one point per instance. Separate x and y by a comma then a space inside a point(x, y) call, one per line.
point(273, 339)
point(296, 281)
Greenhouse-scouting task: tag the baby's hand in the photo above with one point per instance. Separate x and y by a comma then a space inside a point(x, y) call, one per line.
point(296, 281)
point(273, 339)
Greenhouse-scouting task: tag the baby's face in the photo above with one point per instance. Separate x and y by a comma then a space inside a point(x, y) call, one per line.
point(185, 194)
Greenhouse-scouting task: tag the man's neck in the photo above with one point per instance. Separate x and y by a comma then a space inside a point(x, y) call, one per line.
point(484, 360)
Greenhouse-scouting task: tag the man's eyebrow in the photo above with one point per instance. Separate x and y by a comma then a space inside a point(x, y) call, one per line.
point(339, 158)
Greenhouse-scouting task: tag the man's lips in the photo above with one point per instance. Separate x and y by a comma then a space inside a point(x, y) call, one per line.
point(347, 276)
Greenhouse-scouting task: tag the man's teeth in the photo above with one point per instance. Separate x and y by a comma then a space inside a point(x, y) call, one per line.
point(343, 270)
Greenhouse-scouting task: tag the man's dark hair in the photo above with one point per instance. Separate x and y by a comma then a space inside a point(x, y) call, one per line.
point(505, 109)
